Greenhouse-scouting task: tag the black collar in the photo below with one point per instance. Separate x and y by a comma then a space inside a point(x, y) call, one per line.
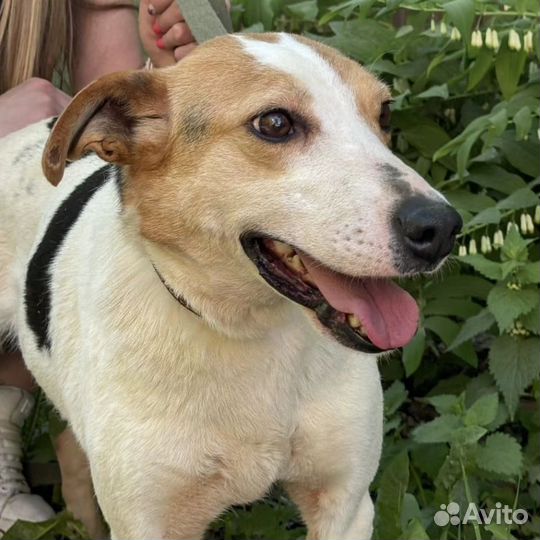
point(180, 299)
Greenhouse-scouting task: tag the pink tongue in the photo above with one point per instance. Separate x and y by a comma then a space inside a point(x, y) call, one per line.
point(388, 314)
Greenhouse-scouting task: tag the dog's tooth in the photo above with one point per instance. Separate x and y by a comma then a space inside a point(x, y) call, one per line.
point(308, 279)
point(296, 264)
point(354, 321)
point(281, 249)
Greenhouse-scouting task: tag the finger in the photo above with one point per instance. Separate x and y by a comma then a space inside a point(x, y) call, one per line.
point(157, 7)
point(62, 100)
point(166, 20)
point(161, 58)
point(183, 51)
point(178, 35)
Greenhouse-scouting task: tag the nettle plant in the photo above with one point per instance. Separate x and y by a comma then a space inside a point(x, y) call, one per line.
point(462, 415)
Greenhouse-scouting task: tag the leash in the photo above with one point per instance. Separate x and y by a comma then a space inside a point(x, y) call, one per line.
point(206, 19)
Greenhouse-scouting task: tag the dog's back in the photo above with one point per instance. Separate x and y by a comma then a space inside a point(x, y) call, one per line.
point(23, 197)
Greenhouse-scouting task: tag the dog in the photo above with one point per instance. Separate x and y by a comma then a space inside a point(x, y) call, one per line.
point(206, 291)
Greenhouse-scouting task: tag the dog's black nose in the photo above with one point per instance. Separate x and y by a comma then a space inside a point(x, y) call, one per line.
point(428, 228)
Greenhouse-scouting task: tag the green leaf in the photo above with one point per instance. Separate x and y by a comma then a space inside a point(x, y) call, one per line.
point(394, 396)
point(495, 177)
point(439, 91)
point(490, 269)
point(459, 286)
point(427, 138)
point(461, 14)
point(479, 68)
point(413, 352)
point(464, 152)
point(439, 430)
point(522, 198)
point(463, 199)
point(501, 454)
point(415, 531)
point(61, 526)
point(528, 273)
point(409, 510)
point(390, 496)
point(473, 326)
point(485, 217)
point(508, 69)
point(523, 122)
point(364, 40)
point(262, 11)
point(306, 11)
point(523, 155)
point(447, 330)
point(445, 403)
point(468, 435)
point(514, 364)
point(507, 305)
point(514, 247)
point(457, 307)
point(499, 531)
point(530, 321)
point(483, 411)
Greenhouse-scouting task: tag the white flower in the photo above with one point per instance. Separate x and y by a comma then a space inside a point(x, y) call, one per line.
point(530, 224)
point(495, 40)
point(442, 28)
point(476, 39)
point(514, 41)
point(498, 239)
point(489, 39)
point(523, 223)
point(537, 215)
point(511, 225)
point(462, 251)
point(432, 25)
point(483, 246)
point(528, 42)
point(455, 35)
point(472, 247)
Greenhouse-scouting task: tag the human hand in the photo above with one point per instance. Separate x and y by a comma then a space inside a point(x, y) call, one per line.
point(164, 33)
point(29, 102)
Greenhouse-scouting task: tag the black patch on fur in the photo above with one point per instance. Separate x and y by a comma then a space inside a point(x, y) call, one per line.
point(37, 295)
point(51, 122)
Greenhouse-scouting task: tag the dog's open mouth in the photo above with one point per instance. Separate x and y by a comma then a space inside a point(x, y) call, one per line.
point(366, 314)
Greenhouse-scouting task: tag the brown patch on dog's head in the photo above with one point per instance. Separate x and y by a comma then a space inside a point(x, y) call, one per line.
point(214, 94)
point(122, 117)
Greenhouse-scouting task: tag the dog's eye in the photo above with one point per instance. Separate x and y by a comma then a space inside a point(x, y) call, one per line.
point(273, 125)
point(384, 117)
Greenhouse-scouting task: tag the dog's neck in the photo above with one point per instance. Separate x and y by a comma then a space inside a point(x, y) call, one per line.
point(227, 298)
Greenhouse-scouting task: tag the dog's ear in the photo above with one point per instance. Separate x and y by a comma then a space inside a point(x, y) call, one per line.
point(122, 117)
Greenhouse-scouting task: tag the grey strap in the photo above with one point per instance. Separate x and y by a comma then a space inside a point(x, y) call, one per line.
point(206, 18)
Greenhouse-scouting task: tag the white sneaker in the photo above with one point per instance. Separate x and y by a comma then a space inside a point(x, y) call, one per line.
point(16, 501)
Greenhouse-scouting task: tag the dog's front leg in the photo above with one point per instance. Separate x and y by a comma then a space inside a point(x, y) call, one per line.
point(335, 511)
point(158, 507)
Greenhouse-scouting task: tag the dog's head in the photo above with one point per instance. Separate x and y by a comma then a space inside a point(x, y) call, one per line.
point(272, 151)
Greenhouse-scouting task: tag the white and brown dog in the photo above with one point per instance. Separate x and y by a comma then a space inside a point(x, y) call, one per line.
point(206, 309)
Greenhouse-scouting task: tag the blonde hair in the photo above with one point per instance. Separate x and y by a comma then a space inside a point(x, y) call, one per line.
point(35, 40)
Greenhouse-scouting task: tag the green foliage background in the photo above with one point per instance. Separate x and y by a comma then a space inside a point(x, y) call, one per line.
point(461, 402)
